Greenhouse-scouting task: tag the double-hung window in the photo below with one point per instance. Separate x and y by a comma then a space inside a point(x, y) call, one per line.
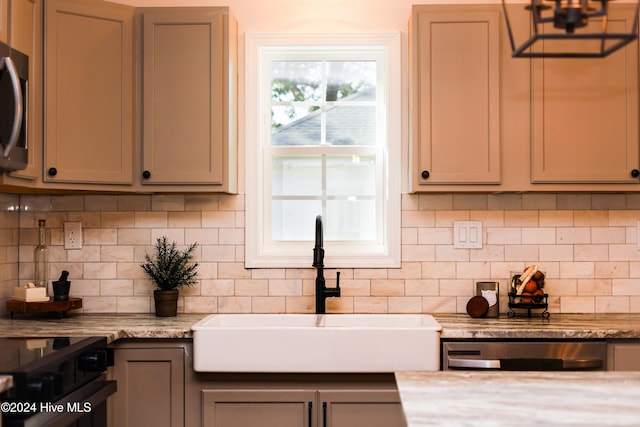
point(323, 138)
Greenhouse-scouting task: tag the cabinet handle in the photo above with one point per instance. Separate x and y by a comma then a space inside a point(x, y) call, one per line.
point(53, 171)
point(425, 174)
point(146, 174)
point(635, 173)
point(324, 414)
point(310, 409)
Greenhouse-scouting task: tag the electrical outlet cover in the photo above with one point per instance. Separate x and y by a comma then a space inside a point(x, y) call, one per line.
point(73, 235)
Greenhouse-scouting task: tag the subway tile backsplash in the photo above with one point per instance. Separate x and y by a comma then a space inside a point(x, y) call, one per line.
point(586, 243)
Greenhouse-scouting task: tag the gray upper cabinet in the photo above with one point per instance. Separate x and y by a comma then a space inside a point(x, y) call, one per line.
point(585, 114)
point(189, 91)
point(483, 121)
point(455, 95)
point(4, 21)
point(165, 123)
point(89, 91)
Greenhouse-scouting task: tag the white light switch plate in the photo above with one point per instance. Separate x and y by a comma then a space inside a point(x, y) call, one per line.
point(467, 234)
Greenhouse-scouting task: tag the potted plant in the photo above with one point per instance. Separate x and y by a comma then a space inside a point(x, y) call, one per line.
point(170, 269)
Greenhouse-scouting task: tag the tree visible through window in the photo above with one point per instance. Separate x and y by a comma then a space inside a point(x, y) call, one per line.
point(323, 148)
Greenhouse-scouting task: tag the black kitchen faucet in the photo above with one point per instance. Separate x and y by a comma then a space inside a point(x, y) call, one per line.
point(322, 292)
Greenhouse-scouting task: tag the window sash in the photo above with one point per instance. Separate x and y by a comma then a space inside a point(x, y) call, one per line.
point(261, 250)
point(324, 151)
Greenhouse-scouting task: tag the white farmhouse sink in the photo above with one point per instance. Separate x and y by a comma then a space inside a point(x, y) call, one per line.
point(316, 343)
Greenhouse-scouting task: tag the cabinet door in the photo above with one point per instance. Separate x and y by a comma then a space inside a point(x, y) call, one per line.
point(88, 92)
point(150, 387)
point(4, 21)
point(624, 357)
point(258, 408)
point(360, 408)
point(585, 114)
point(455, 91)
point(189, 57)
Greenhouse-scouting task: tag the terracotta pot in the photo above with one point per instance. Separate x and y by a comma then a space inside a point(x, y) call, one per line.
point(166, 302)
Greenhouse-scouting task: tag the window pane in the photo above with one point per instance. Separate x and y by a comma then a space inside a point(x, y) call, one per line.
point(350, 220)
point(323, 102)
point(304, 130)
point(283, 115)
point(351, 175)
point(346, 78)
point(296, 176)
point(296, 81)
point(353, 219)
point(347, 125)
point(294, 220)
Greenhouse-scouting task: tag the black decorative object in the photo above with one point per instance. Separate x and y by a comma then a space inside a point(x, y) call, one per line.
point(555, 21)
point(528, 303)
point(61, 287)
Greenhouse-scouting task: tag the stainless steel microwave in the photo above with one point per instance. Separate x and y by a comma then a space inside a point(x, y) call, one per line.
point(14, 82)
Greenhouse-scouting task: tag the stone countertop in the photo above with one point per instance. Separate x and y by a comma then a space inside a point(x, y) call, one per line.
point(558, 326)
point(117, 326)
point(498, 399)
point(6, 382)
point(113, 326)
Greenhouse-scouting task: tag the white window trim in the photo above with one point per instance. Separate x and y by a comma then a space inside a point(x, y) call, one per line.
point(259, 255)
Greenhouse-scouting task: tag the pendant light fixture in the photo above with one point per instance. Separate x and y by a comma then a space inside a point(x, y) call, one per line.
point(570, 29)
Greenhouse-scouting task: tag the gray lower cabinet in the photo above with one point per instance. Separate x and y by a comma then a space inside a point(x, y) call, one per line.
point(623, 355)
point(150, 378)
point(258, 408)
point(158, 387)
point(358, 407)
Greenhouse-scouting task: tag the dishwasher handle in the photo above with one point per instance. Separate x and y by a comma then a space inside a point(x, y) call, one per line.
point(474, 364)
point(526, 364)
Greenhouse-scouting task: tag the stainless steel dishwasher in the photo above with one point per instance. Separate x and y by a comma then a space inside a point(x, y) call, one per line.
point(525, 355)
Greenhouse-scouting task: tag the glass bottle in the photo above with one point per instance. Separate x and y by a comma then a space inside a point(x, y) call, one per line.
point(41, 257)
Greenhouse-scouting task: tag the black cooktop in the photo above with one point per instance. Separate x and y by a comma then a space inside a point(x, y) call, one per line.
point(29, 354)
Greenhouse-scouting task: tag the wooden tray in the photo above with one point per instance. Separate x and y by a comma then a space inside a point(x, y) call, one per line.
point(59, 307)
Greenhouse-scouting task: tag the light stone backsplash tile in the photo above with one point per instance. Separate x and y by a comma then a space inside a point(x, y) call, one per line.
point(200, 304)
point(586, 244)
point(612, 304)
point(234, 304)
point(575, 304)
point(439, 304)
point(135, 304)
point(9, 245)
point(520, 218)
point(594, 286)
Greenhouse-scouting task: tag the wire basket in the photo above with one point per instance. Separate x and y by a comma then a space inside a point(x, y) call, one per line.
point(528, 302)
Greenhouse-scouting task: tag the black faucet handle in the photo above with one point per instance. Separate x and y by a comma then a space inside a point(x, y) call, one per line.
point(335, 292)
point(318, 257)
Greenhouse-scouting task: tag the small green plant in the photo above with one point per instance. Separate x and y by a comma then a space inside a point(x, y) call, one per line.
point(170, 268)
